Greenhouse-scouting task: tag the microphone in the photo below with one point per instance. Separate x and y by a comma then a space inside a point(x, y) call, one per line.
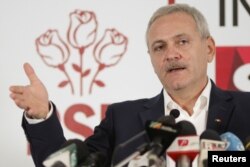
point(185, 128)
point(247, 143)
point(185, 147)
point(234, 143)
point(209, 141)
point(175, 113)
point(71, 152)
point(161, 136)
point(168, 120)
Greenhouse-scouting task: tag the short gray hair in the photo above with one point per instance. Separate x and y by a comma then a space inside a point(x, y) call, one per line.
point(198, 17)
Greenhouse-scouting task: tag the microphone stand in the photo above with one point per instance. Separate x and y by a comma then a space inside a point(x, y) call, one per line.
point(184, 161)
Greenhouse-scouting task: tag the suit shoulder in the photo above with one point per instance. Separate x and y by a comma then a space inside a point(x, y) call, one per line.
point(131, 102)
point(136, 103)
point(239, 97)
point(239, 94)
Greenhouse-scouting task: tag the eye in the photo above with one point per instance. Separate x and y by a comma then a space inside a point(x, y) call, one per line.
point(183, 41)
point(158, 48)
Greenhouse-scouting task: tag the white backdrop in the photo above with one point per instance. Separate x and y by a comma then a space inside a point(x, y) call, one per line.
point(132, 77)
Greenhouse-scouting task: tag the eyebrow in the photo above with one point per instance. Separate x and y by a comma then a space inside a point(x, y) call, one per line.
point(163, 41)
point(180, 35)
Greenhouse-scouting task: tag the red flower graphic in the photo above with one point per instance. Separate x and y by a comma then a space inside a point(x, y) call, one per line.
point(108, 52)
point(54, 53)
point(82, 34)
point(110, 49)
point(82, 29)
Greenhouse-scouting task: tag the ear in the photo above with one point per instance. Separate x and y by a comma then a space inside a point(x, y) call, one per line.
point(211, 49)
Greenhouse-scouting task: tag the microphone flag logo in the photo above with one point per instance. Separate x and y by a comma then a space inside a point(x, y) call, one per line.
point(183, 142)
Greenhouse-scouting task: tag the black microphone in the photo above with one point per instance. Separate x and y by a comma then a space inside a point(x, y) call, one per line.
point(175, 113)
point(161, 136)
point(210, 135)
point(185, 128)
point(168, 120)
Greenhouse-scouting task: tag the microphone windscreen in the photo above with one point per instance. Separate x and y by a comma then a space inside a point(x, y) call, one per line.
point(175, 113)
point(185, 128)
point(210, 134)
point(167, 120)
point(234, 143)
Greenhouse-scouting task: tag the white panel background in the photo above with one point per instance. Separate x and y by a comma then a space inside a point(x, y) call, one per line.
point(22, 21)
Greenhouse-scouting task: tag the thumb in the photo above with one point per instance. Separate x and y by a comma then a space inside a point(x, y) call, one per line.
point(30, 73)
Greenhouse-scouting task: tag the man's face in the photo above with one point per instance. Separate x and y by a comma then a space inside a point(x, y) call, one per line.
point(178, 53)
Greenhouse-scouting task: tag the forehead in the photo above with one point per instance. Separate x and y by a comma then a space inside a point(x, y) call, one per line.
point(171, 25)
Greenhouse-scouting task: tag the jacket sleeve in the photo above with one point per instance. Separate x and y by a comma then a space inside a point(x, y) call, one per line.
point(103, 138)
point(44, 138)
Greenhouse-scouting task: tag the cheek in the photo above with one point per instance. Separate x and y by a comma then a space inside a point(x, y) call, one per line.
point(195, 62)
point(201, 65)
point(157, 64)
point(154, 64)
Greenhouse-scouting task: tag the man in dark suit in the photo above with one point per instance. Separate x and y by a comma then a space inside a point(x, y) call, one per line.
point(180, 47)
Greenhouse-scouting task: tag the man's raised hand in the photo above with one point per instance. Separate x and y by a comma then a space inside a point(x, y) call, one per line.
point(33, 98)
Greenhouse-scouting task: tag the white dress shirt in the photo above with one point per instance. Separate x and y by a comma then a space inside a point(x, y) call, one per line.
point(198, 118)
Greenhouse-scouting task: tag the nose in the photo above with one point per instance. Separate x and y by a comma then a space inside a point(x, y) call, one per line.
point(172, 53)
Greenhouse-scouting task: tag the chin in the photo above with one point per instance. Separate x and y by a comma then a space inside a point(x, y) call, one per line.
point(178, 86)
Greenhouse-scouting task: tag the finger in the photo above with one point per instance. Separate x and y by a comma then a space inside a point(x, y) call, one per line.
point(17, 89)
point(19, 101)
point(30, 73)
point(17, 97)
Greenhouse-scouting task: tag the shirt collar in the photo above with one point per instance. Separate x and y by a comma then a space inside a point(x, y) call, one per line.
point(201, 103)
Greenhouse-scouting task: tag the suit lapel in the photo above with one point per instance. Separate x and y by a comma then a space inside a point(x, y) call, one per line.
point(154, 109)
point(220, 110)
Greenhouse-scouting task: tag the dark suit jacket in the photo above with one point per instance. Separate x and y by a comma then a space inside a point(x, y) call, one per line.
point(126, 119)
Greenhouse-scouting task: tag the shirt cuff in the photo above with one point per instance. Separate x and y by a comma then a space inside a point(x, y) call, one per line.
point(36, 121)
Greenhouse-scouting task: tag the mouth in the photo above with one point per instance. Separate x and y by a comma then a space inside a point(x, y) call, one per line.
point(175, 69)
